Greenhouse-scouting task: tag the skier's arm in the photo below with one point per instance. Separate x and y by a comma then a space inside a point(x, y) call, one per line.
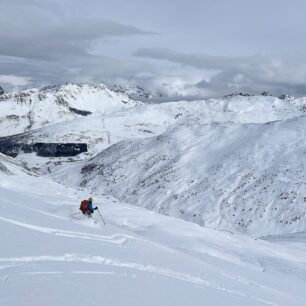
point(90, 208)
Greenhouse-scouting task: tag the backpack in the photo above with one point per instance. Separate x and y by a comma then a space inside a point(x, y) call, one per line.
point(83, 206)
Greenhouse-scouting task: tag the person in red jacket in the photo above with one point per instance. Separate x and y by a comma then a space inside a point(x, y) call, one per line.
point(87, 207)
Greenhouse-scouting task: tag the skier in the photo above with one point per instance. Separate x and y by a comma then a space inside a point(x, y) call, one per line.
point(87, 207)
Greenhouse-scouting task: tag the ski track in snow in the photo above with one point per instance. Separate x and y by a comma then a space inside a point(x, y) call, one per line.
point(197, 281)
point(119, 239)
point(93, 237)
point(72, 272)
point(116, 238)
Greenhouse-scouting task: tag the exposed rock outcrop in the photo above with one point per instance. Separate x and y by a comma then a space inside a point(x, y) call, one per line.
point(14, 145)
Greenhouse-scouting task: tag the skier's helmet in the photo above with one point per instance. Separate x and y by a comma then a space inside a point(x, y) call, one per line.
point(90, 199)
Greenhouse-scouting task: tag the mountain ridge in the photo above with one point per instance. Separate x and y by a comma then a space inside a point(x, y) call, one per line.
point(34, 108)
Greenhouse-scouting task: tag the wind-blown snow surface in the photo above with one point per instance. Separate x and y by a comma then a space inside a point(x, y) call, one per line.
point(51, 257)
point(235, 164)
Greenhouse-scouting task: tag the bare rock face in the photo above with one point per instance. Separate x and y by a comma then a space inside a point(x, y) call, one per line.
point(13, 145)
point(286, 97)
point(1, 91)
point(59, 149)
point(266, 94)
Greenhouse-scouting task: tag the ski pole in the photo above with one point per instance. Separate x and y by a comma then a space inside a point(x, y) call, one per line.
point(101, 217)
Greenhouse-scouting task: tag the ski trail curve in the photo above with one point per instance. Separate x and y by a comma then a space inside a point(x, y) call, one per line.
point(180, 276)
point(116, 238)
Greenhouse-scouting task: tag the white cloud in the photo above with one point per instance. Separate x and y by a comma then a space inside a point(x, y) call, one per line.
point(14, 80)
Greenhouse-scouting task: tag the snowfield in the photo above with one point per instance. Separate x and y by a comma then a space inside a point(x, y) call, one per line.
point(52, 255)
point(204, 201)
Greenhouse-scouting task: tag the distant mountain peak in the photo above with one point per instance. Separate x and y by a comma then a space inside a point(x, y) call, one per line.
point(135, 92)
point(34, 108)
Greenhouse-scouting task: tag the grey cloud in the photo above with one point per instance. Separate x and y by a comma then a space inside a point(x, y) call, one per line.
point(69, 38)
point(247, 73)
point(77, 69)
point(205, 61)
point(195, 60)
point(53, 41)
point(48, 43)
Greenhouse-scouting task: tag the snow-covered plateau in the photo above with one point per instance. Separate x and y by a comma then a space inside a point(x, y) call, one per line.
point(204, 201)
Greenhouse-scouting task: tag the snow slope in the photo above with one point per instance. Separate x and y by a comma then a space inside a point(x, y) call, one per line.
point(11, 166)
point(234, 163)
point(235, 175)
point(33, 108)
point(50, 256)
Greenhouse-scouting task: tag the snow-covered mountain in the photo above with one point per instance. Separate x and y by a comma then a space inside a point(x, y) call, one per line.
point(134, 92)
point(100, 131)
point(52, 255)
point(225, 163)
point(234, 164)
point(249, 177)
point(33, 108)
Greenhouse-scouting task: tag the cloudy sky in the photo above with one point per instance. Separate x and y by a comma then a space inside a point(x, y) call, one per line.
point(187, 47)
